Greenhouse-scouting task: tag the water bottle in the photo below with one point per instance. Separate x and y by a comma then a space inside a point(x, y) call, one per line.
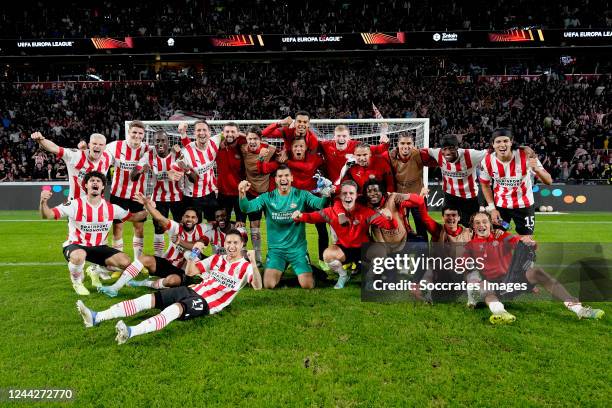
point(194, 255)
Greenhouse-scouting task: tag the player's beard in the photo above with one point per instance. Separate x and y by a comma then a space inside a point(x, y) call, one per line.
point(188, 228)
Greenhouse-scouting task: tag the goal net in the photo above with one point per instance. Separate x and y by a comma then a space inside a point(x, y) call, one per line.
point(364, 130)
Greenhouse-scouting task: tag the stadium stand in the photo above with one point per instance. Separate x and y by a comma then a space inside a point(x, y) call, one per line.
point(565, 119)
point(190, 17)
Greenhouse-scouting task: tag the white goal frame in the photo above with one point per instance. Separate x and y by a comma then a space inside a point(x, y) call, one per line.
point(264, 122)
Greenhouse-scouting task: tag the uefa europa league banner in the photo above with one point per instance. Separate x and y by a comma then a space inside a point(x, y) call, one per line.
point(249, 43)
point(562, 198)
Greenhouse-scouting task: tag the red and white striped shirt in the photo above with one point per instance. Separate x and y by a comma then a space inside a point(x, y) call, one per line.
point(125, 159)
point(216, 237)
point(203, 163)
point(78, 165)
point(459, 178)
point(89, 225)
point(165, 190)
point(221, 280)
point(512, 180)
point(175, 252)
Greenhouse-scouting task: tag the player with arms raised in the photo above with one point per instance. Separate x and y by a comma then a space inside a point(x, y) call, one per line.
point(289, 129)
point(223, 276)
point(286, 240)
point(170, 266)
point(90, 218)
point(78, 162)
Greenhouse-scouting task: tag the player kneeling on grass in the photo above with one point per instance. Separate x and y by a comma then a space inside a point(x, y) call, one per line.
point(286, 239)
point(508, 259)
point(90, 219)
point(222, 277)
point(352, 234)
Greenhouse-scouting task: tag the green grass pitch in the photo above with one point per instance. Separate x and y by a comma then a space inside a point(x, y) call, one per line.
point(291, 347)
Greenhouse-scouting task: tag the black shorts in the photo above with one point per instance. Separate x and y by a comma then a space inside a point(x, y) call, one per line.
point(351, 254)
point(467, 207)
point(523, 258)
point(204, 206)
point(193, 304)
point(254, 216)
point(165, 208)
point(524, 219)
point(130, 205)
point(164, 267)
point(231, 203)
point(95, 254)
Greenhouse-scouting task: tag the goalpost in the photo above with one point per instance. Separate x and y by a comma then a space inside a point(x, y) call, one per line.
point(366, 130)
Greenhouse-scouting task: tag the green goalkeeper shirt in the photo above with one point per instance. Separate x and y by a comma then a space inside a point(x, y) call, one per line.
point(282, 232)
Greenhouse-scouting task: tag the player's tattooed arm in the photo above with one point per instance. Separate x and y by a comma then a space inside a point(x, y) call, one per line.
point(45, 211)
point(257, 281)
point(45, 143)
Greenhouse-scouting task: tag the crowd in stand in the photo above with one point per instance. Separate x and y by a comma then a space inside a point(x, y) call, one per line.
point(199, 17)
point(567, 121)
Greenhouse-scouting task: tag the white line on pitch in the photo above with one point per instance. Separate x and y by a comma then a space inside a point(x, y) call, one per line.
point(32, 263)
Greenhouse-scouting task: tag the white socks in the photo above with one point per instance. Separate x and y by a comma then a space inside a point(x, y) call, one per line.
point(130, 272)
point(157, 322)
point(575, 307)
point(127, 308)
point(76, 272)
point(118, 244)
point(159, 244)
point(336, 266)
point(137, 245)
point(497, 307)
point(256, 240)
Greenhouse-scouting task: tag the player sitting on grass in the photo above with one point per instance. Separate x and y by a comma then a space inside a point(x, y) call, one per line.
point(351, 235)
point(168, 267)
point(286, 240)
point(509, 259)
point(90, 218)
point(222, 277)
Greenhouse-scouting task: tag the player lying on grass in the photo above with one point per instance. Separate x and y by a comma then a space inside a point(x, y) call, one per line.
point(222, 278)
point(168, 267)
point(509, 259)
point(90, 218)
point(352, 234)
point(286, 240)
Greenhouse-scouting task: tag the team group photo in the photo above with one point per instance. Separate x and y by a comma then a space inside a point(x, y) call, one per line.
point(207, 204)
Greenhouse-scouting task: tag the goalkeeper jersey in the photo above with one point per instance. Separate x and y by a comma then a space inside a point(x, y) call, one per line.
point(283, 233)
